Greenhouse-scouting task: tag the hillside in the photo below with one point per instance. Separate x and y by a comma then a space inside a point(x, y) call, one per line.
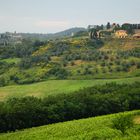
point(69, 58)
point(96, 128)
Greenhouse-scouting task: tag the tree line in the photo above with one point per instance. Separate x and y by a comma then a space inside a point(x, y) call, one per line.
point(19, 113)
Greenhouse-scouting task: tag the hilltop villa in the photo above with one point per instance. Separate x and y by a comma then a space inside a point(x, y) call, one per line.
point(121, 34)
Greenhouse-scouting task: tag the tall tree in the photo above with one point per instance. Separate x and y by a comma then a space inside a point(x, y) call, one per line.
point(108, 26)
point(128, 27)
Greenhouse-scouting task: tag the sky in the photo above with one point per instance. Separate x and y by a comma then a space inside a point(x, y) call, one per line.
point(50, 16)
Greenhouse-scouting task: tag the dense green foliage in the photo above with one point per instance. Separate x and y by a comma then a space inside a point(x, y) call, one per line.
point(98, 100)
point(96, 128)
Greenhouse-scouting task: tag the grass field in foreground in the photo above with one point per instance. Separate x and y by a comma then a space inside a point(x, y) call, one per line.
point(96, 128)
point(51, 87)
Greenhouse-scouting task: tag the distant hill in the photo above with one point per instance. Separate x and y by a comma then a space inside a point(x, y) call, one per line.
point(65, 33)
point(69, 32)
point(61, 34)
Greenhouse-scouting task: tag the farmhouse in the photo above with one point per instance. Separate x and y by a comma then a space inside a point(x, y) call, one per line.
point(121, 34)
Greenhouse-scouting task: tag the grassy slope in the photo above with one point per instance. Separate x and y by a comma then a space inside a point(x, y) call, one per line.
point(51, 87)
point(85, 129)
point(121, 44)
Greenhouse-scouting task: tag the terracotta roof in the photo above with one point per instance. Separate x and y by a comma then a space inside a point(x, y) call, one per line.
point(135, 35)
point(121, 31)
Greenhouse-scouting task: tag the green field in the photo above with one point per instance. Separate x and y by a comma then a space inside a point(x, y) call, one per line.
point(51, 87)
point(97, 128)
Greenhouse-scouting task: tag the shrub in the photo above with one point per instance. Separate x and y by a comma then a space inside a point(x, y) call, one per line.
point(123, 122)
point(58, 72)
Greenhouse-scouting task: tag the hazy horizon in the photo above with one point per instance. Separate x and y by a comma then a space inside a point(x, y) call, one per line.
point(50, 16)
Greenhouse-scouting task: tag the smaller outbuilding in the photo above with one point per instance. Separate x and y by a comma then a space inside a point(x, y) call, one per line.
point(136, 35)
